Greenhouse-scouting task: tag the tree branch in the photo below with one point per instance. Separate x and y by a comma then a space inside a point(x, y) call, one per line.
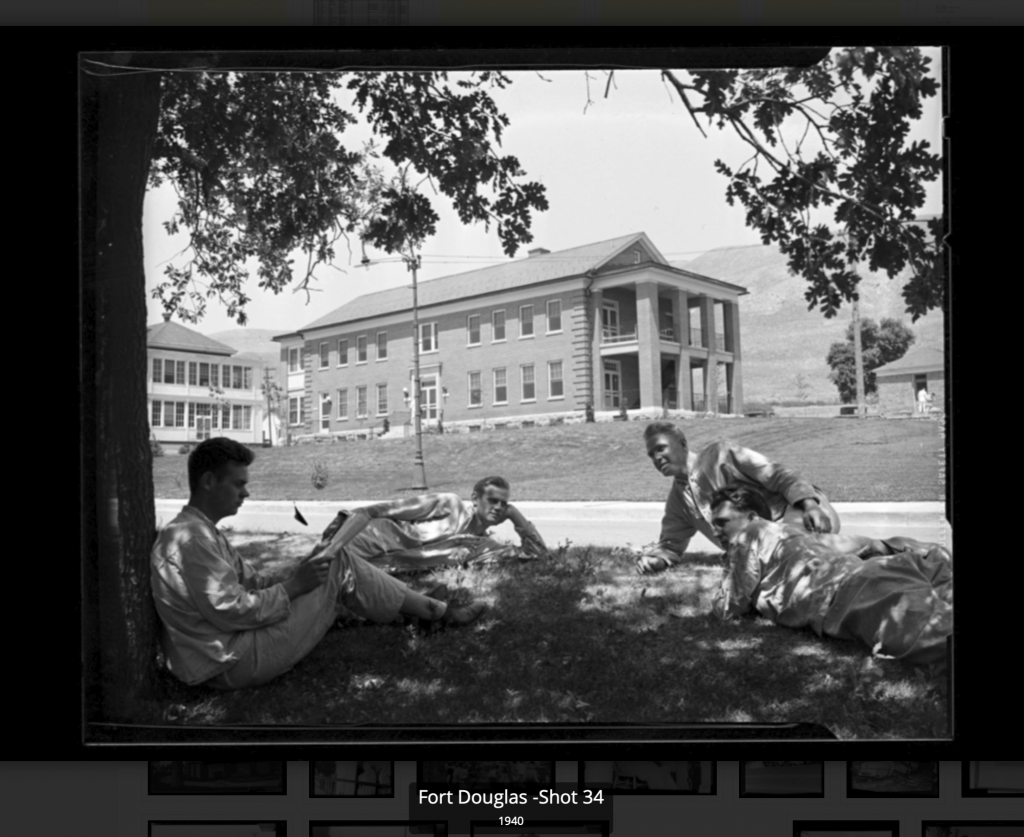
point(681, 89)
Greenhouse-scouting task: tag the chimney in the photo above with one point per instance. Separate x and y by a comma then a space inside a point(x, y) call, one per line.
point(537, 251)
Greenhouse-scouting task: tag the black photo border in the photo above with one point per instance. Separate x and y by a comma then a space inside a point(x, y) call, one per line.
point(890, 826)
point(282, 792)
point(440, 826)
point(744, 794)
point(540, 824)
point(852, 793)
point(648, 792)
point(421, 782)
point(312, 783)
point(282, 825)
point(967, 792)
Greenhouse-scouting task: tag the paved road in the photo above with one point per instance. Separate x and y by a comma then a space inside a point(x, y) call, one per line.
point(596, 524)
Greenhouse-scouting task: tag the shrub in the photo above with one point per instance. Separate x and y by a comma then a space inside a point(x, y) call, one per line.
point(320, 476)
point(185, 449)
point(156, 447)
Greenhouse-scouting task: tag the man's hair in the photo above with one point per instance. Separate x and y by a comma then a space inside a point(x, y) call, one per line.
point(744, 498)
point(497, 482)
point(213, 455)
point(658, 428)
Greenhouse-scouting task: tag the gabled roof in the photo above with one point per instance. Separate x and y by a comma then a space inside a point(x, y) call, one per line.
point(918, 359)
point(168, 335)
point(546, 267)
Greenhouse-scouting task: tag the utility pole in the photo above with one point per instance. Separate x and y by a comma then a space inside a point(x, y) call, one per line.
point(412, 263)
point(858, 361)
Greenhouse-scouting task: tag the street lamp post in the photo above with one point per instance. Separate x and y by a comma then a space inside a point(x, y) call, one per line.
point(412, 263)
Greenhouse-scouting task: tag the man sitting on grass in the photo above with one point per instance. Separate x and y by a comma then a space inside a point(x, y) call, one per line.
point(900, 604)
point(229, 626)
point(436, 529)
point(696, 477)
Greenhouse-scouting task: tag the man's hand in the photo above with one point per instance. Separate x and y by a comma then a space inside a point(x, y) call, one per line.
point(309, 575)
point(815, 520)
point(651, 564)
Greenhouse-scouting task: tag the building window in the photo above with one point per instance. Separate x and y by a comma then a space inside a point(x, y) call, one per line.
point(236, 416)
point(382, 399)
point(473, 330)
point(428, 337)
point(225, 418)
point(247, 417)
point(179, 412)
point(526, 321)
point(214, 377)
point(191, 414)
point(214, 417)
point(555, 389)
point(168, 414)
point(500, 387)
point(636, 257)
point(554, 316)
point(293, 361)
point(342, 405)
point(204, 374)
point(361, 349)
point(382, 345)
point(169, 372)
point(156, 370)
point(529, 388)
point(236, 377)
point(343, 353)
point(295, 409)
point(247, 377)
point(155, 415)
point(193, 375)
point(476, 393)
point(497, 326)
point(325, 355)
point(179, 372)
point(325, 411)
point(360, 402)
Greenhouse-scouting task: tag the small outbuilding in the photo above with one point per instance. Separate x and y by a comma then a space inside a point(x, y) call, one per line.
point(900, 382)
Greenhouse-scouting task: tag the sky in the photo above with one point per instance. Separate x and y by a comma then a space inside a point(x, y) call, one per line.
point(634, 162)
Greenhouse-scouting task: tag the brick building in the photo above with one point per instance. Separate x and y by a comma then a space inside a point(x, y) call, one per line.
point(611, 324)
point(199, 388)
point(923, 367)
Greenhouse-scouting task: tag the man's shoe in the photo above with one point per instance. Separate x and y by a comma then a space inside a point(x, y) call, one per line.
point(465, 615)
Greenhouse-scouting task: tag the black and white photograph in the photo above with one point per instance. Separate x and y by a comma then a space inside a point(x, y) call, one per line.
point(383, 828)
point(435, 363)
point(530, 776)
point(649, 777)
point(220, 778)
point(892, 779)
point(782, 778)
point(217, 829)
point(352, 778)
point(972, 828)
point(846, 828)
point(992, 778)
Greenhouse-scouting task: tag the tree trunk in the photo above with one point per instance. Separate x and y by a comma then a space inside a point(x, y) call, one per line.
point(120, 114)
point(858, 361)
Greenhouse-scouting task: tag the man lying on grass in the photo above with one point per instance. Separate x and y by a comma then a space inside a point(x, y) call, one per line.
point(231, 627)
point(696, 477)
point(436, 530)
point(900, 604)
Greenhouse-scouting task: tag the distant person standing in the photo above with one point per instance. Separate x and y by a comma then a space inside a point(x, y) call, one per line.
point(923, 399)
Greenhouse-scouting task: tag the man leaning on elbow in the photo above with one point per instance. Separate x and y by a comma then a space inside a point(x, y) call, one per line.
point(697, 476)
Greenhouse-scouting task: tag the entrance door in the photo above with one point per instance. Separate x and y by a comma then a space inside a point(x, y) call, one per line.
point(428, 384)
point(325, 412)
point(609, 320)
point(612, 385)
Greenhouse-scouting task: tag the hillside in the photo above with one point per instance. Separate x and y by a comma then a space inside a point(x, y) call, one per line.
point(780, 337)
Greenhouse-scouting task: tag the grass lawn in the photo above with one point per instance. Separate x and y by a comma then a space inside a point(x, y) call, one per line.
point(851, 460)
point(577, 638)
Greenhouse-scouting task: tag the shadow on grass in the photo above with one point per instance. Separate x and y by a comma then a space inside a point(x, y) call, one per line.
point(583, 639)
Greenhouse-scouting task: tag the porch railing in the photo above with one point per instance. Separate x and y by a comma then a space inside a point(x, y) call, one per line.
point(697, 339)
point(614, 335)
